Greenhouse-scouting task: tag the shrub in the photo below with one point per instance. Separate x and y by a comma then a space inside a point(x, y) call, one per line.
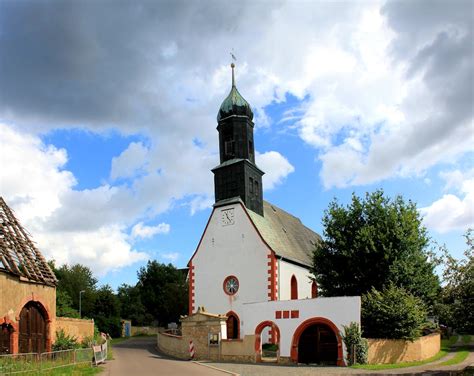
point(65, 341)
point(352, 338)
point(392, 313)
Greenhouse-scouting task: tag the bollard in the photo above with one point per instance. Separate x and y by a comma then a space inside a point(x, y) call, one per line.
point(191, 350)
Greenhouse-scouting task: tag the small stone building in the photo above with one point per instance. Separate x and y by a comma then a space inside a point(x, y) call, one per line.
point(27, 290)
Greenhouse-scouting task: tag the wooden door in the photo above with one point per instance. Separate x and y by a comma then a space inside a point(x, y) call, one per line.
point(232, 327)
point(317, 344)
point(32, 336)
point(5, 333)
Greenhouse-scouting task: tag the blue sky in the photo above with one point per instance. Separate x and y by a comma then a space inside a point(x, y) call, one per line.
point(108, 133)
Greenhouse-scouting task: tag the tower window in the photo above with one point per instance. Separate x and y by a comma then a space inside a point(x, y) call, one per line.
point(229, 147)
point(256, 188)
point(250, 146)
point(251, 185)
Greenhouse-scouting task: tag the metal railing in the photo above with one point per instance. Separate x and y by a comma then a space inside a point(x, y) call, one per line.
point(36, 362)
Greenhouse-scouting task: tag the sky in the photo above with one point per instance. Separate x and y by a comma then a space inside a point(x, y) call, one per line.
point(108, 116)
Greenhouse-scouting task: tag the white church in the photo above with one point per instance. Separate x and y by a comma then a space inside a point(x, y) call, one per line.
point(253, 260)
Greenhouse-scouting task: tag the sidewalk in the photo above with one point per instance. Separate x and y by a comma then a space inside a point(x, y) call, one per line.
point(433, 368)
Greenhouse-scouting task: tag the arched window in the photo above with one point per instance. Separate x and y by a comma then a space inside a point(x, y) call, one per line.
point(294, 288)
point(314, 290)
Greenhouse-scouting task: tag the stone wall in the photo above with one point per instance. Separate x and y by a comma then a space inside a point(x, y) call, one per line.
point(239, 350)
point(15, 294)
point(382, 351)
point(78, 328)
point(173, 345)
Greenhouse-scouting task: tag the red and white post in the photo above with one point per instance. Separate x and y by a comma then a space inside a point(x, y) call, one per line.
point(191, 350)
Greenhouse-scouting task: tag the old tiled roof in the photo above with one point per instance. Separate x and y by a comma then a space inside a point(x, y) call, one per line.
point(285, 234)
point(18, 254)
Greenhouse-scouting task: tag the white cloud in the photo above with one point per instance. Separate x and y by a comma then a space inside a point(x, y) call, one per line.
point(452, 212)
point(171, 256)
point(130, 161)
point(142, 231)
point(275, 166)
point(69, 226)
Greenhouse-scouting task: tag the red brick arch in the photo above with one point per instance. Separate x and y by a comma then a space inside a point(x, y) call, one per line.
point(312, 321)
point(13, 334)
point(48, 318)
point(258, 338)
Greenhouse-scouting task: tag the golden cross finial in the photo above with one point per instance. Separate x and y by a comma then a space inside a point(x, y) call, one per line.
point(232, 65)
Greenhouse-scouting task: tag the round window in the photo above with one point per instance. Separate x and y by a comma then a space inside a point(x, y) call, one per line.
point(231, 285)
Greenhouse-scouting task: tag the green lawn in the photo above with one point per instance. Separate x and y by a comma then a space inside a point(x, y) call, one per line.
point(78, 370)
point(461, 354)
point(445, 347)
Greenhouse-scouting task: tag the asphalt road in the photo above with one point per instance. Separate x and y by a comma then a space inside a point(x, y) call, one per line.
point(138, 356)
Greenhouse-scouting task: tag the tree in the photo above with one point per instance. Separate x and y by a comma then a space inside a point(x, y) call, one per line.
point(106, 311)
point(392, 313)
point(457, 298)
point(131, 306)
point(72, 280)
point(371, 243)
point(164, 291)
point(64, 305)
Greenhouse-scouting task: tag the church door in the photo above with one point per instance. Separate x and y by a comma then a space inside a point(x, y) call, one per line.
point(5, 333)
point(232, 327)
point(32, 336)
point(317, 344)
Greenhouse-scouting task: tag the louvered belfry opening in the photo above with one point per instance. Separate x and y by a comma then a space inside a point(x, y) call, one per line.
point(18, 253)
point(33, 329)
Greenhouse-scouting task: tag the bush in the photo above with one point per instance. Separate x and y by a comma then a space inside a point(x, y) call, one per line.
point(392, 313)
point(110, 325)
point(352, 337)
point(65, 341)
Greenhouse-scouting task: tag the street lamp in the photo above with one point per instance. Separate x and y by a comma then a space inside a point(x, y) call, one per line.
point(80, 302)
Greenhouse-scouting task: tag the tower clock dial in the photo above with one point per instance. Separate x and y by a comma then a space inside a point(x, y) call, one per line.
point(228, 217)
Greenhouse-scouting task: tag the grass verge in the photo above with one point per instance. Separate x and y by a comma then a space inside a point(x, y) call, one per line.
point(445, 347)
point(77, 370)
point(459, 357)
point(466, 338)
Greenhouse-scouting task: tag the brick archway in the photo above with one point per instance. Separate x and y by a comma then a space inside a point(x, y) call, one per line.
point(314, 321)
point(258, 338)
point(13, 334)
point(47, 316)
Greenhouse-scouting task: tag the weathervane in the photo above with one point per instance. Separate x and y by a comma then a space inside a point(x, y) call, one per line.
point(232, 65)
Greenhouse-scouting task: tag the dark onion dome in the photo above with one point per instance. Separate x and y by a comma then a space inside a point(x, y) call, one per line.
point(234, 104)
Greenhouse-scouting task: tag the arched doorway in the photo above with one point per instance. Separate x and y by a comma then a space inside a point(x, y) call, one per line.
point(233, 325)
point(267, 349)
point(6, 331)
point(317, 340)
point(314, 290)
point(33, 328)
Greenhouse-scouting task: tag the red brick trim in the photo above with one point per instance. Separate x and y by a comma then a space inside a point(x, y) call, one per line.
point(258, 339)
point(295, 314)
point(225, 281)
point(191, 301)
point(312, 321)
point(272, 276)
point(278, 314)
point(286, 314)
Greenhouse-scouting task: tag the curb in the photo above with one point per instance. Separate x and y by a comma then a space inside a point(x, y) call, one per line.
point(215, 368)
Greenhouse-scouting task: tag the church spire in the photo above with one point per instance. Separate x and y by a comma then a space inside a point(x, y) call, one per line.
point(237, 175)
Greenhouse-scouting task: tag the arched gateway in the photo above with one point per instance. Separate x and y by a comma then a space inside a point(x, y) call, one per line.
point(33, 328)
point(317, 340)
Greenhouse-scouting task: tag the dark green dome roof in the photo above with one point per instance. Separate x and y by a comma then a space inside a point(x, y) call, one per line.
point(234, 104)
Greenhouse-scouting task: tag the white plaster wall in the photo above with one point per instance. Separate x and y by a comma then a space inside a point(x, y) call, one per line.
point(230, 250)
point(285, 271)
point(340, 310)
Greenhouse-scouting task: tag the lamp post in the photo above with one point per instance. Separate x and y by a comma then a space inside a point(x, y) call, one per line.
point(80, 302)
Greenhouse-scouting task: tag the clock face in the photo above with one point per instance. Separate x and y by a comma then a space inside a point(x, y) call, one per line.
point(227, 217)
point(231, 285)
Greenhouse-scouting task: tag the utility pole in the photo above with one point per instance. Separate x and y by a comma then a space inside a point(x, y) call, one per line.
point(80, 303)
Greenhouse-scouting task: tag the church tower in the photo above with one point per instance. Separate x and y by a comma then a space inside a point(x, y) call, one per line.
point(237, 175)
